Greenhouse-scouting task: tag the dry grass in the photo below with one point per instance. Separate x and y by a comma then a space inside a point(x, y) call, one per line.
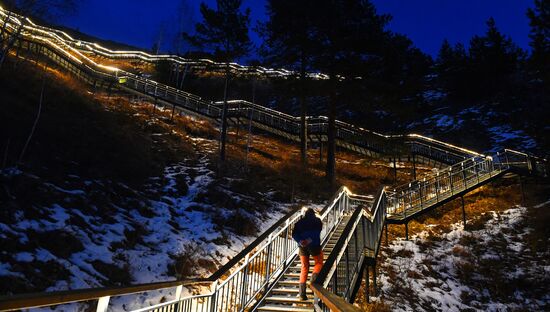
point(278, 161)
point(498, 195)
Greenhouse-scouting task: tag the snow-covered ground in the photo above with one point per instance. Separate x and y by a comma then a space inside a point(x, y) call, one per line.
point(482, 121)
point(505, 136)
point(491, 268)
point(173, 229)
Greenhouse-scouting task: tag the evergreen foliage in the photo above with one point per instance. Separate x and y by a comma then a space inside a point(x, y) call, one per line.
point(224, 31)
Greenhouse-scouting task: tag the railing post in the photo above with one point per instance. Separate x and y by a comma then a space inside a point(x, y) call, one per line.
point(179, 290)
point(103, 304)
point(476, 172)
point(410, 200)
point(364, 233)
point(404, 204)
point(451, 180)
point(356, 246)
point(268, 260)
point(420, 193)
point(506, 157)
point(347, 281)
point(214, 302)
point(244, 283)
point(285, 247)
point(437, 186)
point(464, 177)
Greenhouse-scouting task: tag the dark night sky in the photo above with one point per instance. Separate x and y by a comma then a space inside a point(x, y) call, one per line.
point(426, 22)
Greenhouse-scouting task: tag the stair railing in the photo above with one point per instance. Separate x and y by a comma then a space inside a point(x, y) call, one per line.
point(246, 277)
point(234, 287)
point(393, 145)
point(409, 199)
point(341, 273)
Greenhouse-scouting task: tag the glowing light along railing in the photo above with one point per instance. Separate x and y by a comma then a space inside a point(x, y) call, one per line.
point(361, 237)
point(240, 290)
point(359, 240)
point(369, 140)
point(140, 55)
point(246, 274)
point(409, 199)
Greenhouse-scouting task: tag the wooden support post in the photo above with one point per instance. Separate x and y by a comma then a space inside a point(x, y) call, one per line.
point(173, 110)
point(522, 191)
point(375, 292)
point(248, 140)
point(109, 90)
point(407, 231)
point(367, 284)
point(394, 170)
point(463, 212)
point(387, 241)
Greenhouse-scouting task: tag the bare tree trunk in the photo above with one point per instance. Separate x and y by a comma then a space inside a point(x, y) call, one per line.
point(183, 77)
point(303, 114)
point(34, 124)
point(250, 123)
point(173, 72)
point(224, 115)
point(330, 172)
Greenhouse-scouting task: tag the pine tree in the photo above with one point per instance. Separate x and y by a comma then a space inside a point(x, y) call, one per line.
point(452, 69)
point(347, 32)
point(288, 42)
point(539, 20)
point(224, 31)
point(494, 62)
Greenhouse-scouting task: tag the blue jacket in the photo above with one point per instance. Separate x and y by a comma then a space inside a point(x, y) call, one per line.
point(308, 227)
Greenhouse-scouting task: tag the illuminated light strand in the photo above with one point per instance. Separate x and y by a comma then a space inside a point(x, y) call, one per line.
point(62, 45)
point(94, 47)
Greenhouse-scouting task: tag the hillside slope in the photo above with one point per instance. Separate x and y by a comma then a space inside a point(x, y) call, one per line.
point(112, 191)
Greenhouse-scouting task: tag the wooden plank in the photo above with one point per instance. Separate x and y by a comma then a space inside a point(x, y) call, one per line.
point(333, 301)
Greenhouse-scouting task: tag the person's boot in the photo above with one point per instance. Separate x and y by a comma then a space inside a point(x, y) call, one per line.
point(313, 277)
point(302, 294)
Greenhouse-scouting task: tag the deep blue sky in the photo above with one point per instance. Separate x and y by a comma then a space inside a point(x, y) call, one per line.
point(426, 22)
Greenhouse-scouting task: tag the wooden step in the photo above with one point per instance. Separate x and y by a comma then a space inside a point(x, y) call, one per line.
point(289, 274)
point(285, 308)
point(290, 290)
point(289, 299)
point(292, 282)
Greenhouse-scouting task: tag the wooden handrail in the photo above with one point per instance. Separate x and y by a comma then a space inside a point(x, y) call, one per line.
point(332, 301)
point(35, 300)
